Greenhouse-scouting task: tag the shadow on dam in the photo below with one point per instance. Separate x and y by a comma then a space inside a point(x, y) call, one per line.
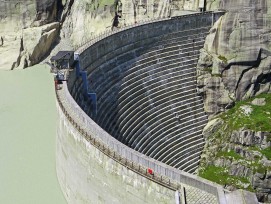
point(144, 79)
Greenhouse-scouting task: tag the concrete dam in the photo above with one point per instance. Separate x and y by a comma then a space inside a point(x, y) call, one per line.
point(145, 83)
point(131, 120)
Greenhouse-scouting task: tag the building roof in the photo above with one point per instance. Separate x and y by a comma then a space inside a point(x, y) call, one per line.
point(66, 55)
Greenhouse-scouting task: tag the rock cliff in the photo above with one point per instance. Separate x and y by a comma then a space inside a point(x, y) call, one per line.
point(88, 18)
point(27, 31)
point(30, 29)
point(235, 62)
point(233, 68)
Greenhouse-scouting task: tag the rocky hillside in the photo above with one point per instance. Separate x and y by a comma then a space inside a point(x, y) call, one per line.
point(235, 62)
point(234, 80)
point(27, 31)
point(30, 29)
point(237, 152)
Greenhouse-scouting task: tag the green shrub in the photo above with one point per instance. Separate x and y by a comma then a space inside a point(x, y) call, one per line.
point(267, 153)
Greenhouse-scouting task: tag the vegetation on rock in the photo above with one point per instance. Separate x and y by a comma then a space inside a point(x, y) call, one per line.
point(267, 152)
point(221, 176)
point(258, 120)
point(237, 154)
point(223, 58)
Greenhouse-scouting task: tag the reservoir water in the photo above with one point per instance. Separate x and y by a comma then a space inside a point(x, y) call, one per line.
point(27, 137)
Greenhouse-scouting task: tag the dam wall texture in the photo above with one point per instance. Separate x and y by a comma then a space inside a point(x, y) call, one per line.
point(144, 79)
point(130, 140)
point(92, 167)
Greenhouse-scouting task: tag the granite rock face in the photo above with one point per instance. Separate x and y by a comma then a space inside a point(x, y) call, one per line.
point(87, 18)
point(22, 14)
point(235, 62)
point(78, 21)
point(259, 101)
point(19, 25)
point(235, 65)
point(37, 41)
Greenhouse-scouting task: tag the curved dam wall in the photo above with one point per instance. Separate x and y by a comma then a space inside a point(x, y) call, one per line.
point(88, 175)
point(145, 82)
point(94, 167)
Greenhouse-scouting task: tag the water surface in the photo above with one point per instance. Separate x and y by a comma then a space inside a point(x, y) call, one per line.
point(27, 137)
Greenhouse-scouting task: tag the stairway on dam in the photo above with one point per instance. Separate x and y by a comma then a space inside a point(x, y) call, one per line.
point(146, 94)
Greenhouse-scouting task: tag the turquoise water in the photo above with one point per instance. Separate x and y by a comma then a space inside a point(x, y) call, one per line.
point(27, 137)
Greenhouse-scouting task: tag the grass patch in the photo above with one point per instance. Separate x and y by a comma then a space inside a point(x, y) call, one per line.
point(229, 154)
point(268, 138)
point(267, 152)
point(256, 166)
point(215, 174)
point(220, 175)
point(258, 120)
point(254, 148)
point(261, 169)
